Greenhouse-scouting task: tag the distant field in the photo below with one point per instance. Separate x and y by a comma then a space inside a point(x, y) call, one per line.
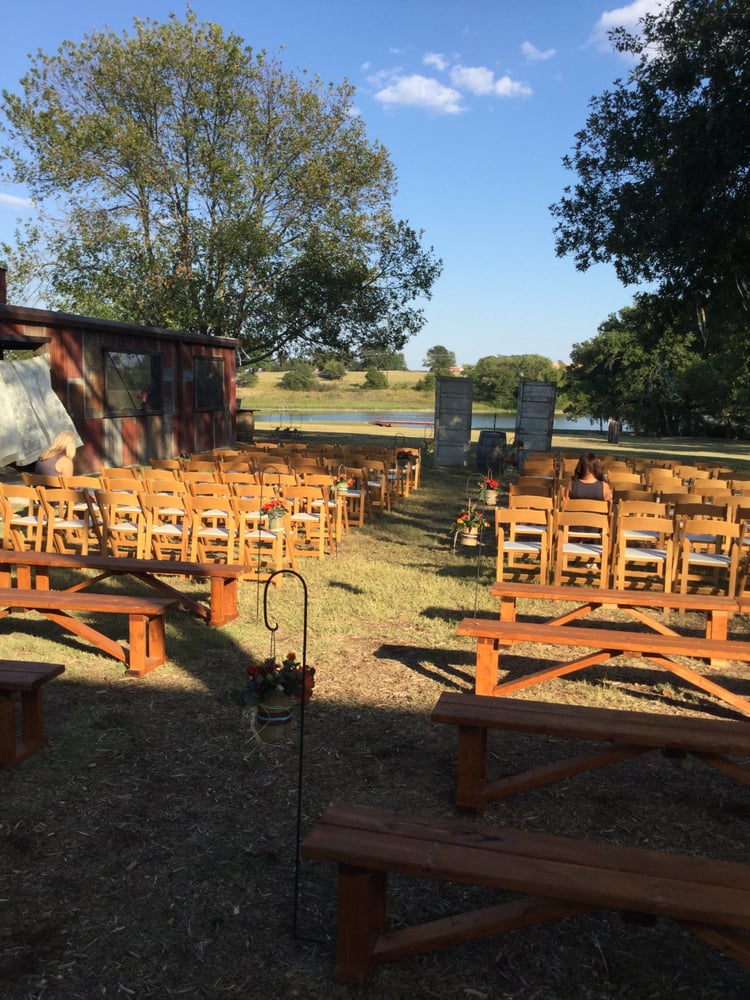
point(347, 393)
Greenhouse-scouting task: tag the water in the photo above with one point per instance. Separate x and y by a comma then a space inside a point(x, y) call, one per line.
point(416, 419)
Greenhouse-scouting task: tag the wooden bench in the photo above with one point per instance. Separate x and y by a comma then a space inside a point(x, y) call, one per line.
point(637, 603)
point(146, 647)
point(606, 643)
point(24, 678)
point(629, 734)
point(557, 877)
point(32, 569)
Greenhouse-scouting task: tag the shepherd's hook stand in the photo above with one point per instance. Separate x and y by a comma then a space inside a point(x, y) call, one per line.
point(274, 628)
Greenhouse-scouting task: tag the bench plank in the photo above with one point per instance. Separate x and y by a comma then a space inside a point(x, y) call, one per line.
point(223, 579)
point(366, 842)
point(145, 617)
point(718, 609)
point(25, 678)
point(607, 643)
point(630, 733)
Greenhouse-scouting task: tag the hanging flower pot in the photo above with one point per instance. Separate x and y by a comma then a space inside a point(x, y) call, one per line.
point(469, 537)
point(488, 491)
point(469, 524)
point(273, 717)
point(272, 689)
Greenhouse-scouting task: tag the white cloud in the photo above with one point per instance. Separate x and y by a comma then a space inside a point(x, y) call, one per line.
point(481, 81)
point(13, 201)
point(435, 59)
point(533, 54)
point(625, 17)
point(421, 92)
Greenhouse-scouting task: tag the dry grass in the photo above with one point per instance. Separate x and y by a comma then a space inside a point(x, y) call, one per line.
point(150, 851)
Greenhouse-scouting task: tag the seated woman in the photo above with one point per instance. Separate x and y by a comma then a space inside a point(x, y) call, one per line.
point(57, 459)
point(588, 481)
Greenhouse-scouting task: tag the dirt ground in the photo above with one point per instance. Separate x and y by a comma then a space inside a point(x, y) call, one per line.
point(151, 850)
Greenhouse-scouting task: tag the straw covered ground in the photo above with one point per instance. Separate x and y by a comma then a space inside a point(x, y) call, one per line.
point(150, 850)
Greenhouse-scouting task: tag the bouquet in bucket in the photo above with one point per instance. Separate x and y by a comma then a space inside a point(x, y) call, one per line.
point(488, 489)
point(274, 509)
point(270, 679)
point(473, 518)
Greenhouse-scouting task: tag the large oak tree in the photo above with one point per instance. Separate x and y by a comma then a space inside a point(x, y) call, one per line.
point(663, 162)
point(188, 182)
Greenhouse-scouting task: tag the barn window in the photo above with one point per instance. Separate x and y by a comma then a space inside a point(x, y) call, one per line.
point(209, 383)
point(132, 382)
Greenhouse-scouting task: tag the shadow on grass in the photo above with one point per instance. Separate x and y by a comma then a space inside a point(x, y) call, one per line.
point(439, 665)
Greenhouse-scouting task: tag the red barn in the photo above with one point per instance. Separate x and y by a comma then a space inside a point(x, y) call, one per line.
point(132, 392)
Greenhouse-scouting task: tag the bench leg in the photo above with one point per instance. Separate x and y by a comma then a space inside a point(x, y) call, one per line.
point(223, 600)
point(363, 914)
point(13, 752)
point(7, 730)
point(471, 768)
point(147, 644)
point(486, 666)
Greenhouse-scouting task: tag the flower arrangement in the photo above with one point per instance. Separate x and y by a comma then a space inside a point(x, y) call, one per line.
point(272, 678)
point(274, 508)
point(343, 482)
point(488, 490)
point(472, 517)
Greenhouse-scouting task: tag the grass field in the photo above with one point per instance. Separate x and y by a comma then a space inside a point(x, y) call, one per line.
point(150, 850)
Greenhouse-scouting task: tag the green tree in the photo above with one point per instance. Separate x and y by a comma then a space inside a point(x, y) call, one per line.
point(196, 185)
point(373, 357)
point(495, 379)
point(645, 368)
point(439, 360)
point(661, 164)
point(333, 370)
point(299, 377)
point(375, 379)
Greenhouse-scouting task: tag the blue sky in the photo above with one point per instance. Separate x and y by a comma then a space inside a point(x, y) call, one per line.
point(476, 102)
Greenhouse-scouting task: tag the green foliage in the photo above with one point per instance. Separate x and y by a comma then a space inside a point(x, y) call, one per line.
point(439, 360)
point(495, 379)
point(299, 377)
point(661, 164)
point(647, 368)
point(375, 379)
point(333, 370)
point(373, 357)
point(197, 185)
point(427, 384)
point(246, 377)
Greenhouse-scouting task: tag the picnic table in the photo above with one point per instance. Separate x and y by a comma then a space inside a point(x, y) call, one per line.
point(32, 570)
point(682, 655)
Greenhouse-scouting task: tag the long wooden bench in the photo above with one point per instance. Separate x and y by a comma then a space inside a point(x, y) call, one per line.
point(715, 741)
point(32, 569)
point(605, 643)
point(556, 877)
point(24, 678)
point(637, 603)
point(146, 645)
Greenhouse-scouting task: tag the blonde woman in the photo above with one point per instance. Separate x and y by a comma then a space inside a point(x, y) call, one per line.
point(57, 459)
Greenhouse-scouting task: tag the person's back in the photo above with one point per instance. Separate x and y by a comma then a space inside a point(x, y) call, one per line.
point(586, 491)
point(47, 466)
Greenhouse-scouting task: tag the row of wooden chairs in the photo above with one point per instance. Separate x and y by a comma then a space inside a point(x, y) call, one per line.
point(631, 543)
point(235, 527)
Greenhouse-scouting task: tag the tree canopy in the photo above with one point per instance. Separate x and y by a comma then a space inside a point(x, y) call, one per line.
point(188, 182)
point(439, 360)
point(663, 162)
point(495, 379)
point(647, 368)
